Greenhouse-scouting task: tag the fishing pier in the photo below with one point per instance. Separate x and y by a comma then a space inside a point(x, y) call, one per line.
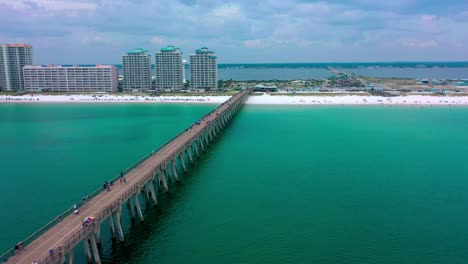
point(56, 242)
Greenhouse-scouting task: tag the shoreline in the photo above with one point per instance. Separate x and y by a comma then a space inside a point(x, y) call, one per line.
point(111, 99)
point(265, 99)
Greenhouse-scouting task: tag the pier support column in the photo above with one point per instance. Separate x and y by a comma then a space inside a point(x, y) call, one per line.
point(153, 194)
point(71, 256)
point(97, 260)
point(168, 173)
point(62, 256)
point(132, 208)
point(87, 251)
point(147, 194)
point(111, 225)
point(182, 161)
point(174, 169)
point(189, 150)
point(197, 146)
point(156, 180)
point(162, 179)
point(118, 216)
point(98, 233)
point(201, 143)
point(138, 208)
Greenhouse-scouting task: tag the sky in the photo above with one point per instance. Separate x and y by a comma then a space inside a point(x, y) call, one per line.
point(245, 31)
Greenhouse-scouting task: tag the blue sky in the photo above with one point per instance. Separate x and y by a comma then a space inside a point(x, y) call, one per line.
point(100, 31)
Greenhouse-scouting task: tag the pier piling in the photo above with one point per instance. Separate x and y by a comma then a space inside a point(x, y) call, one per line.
point(111, 225)
point(118, 221)
point(87, 251)
point(138, 208)
point(97, 260)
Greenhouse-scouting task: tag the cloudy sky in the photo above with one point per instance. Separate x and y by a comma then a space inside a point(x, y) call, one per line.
point(100, 31)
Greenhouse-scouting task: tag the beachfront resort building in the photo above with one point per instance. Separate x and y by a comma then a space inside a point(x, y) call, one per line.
point(169, 69)
point(99, 78)
point(136, 66)
point(203, 70)
point(13, 57)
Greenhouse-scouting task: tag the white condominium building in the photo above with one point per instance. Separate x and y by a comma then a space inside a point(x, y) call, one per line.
point(13, 57)
point(99, 78)
point(136, 65)
point(169, 69)
point(203, 70)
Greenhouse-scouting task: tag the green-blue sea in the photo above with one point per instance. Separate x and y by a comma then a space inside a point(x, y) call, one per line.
point(281, 184)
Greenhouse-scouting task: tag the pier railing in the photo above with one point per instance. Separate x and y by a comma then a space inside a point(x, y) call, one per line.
point(84, 232)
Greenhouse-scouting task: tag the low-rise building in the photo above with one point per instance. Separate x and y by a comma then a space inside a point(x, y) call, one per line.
point(266, 88)
point(99, 78)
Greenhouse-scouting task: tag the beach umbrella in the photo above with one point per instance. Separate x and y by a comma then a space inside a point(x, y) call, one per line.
point(88, 219)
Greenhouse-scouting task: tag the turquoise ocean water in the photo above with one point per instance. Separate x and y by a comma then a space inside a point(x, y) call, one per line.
point(282, 184)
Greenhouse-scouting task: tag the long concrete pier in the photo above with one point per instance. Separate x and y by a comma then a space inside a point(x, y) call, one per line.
point(57, 244)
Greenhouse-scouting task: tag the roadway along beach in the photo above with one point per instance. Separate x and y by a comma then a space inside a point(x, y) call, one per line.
point(264, 99)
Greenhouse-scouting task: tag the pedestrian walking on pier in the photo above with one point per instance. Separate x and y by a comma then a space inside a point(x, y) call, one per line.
point(106, 186)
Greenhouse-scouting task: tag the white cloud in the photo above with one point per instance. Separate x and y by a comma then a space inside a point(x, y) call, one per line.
point(227, 11)
point(323, 28)
point(157, 40)
point(315, 9)
point(49, 5)
point(62, 5)
point(254, 43)
point(93, 39)
point(417, 43)
point(16, 5)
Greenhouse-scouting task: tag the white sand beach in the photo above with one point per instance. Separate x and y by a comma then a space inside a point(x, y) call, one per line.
point(110, 98)
point(264, 99)
point(358, 100)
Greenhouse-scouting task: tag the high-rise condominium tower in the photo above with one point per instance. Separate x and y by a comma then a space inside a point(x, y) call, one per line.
point(136, 65)
point(203, 70)
point(169, 69)
point(13, 57)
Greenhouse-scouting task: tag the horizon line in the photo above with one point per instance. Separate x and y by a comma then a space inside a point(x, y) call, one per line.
point(325, 62)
